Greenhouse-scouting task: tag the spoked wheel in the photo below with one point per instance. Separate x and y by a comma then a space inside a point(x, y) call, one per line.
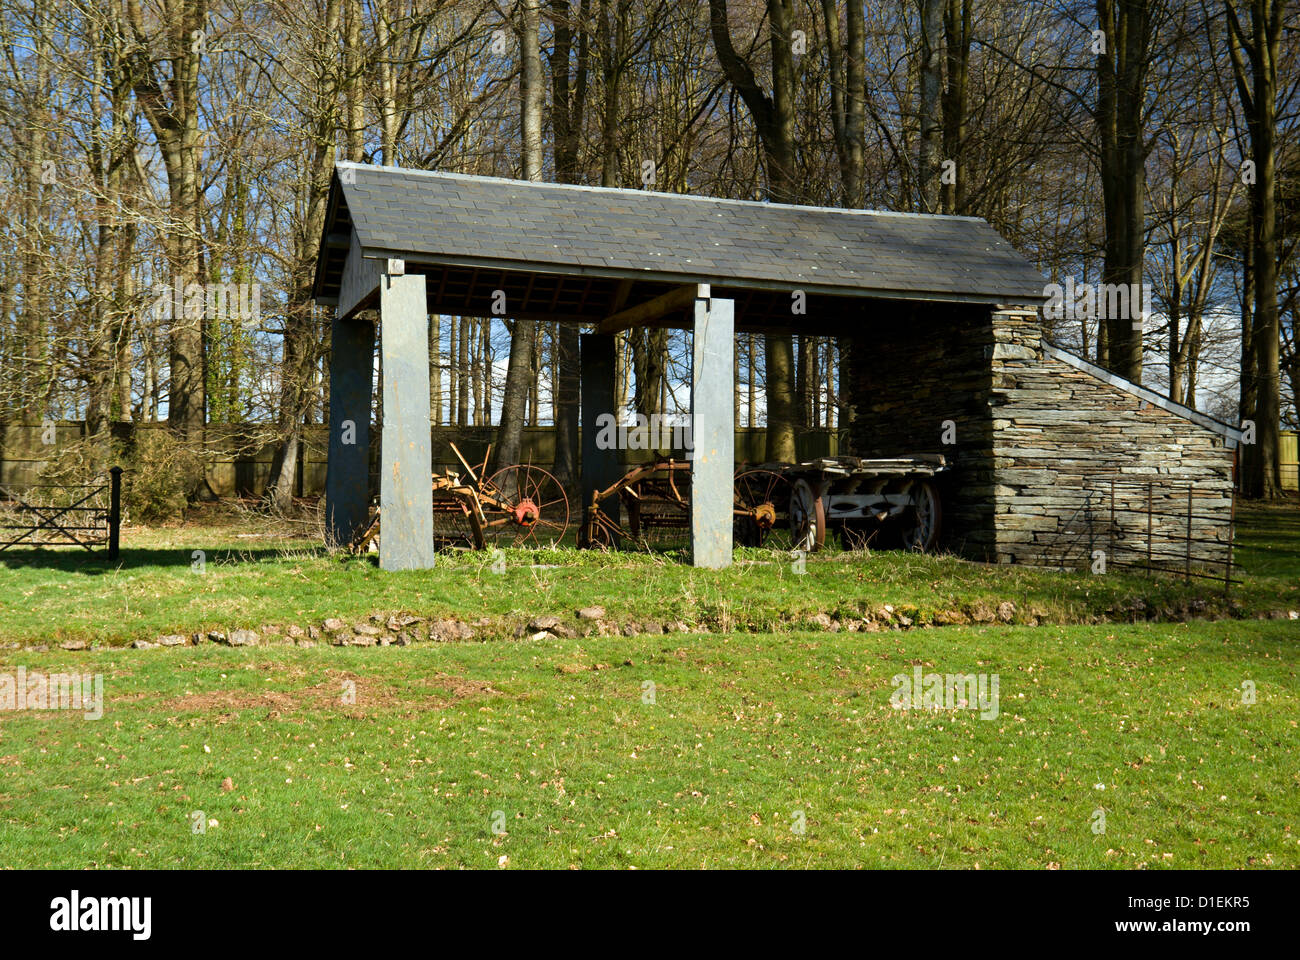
point(537, 511)
point(597, 537)
point(921, 528)
point(762, 510)
point(807, 518)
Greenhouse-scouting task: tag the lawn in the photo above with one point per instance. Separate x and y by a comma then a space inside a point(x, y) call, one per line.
point(199, 577)
point(749, 750)
point(739, 736)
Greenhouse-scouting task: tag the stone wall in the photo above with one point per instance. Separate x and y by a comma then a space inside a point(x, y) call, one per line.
point(1040, 437)
point(1079, 453)
point(916, 367)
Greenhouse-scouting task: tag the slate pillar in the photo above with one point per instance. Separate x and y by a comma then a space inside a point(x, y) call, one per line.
point(405, 461)
point(347, 473)
point(600, 468)
point(713, 399)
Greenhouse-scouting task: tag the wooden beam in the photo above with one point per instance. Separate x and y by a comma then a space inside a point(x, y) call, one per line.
point(681, 298)
point(621, 293)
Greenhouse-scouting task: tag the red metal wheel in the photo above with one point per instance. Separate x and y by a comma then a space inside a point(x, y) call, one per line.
point(536, 509)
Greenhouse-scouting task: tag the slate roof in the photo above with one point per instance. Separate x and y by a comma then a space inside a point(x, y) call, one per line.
point(453, 219)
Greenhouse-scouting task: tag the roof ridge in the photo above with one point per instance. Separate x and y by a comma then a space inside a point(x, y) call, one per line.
point(764, 204)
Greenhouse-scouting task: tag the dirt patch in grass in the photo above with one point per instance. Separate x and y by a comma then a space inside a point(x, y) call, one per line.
point(349, 693)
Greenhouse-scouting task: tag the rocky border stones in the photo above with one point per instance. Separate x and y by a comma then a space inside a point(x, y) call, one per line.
point(402, 629)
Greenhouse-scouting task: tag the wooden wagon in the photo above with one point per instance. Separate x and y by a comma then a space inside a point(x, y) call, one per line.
point(863, 499)
point(784, 506)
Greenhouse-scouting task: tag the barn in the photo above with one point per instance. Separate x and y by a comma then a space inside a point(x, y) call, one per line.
point(1050, 457)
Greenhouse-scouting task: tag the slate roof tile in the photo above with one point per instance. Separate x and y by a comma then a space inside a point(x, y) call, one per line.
point(442, 216)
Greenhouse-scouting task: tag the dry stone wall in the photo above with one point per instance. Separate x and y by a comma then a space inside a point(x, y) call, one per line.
point(921, 376)
point(1079, 453)
point(1040, 440)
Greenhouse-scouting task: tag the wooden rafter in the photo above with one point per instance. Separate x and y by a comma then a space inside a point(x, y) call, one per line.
point(644, 314)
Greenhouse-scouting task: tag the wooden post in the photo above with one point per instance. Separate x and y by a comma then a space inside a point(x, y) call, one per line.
point(114, 511)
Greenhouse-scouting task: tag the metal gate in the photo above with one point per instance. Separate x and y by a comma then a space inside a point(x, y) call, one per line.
point(48, 515)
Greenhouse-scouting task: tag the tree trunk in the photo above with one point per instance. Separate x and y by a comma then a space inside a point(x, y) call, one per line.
point(774, 121)
point(301, 351)
point(779, 363)
point(613, 46)
point(930, 76)
point(568, 104)
point(957, 35)
point(523, 336)
point(844, 415)
point(1121, 75)
point(462, 374)
point(1254, 60)
point(435, 369)
point(751, 355)
point(848, 95)
point(33, 341)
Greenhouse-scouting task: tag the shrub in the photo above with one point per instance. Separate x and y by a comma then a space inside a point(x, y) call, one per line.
point(161, 472)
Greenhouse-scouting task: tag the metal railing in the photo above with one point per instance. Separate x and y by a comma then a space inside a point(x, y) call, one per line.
point(1157, 525)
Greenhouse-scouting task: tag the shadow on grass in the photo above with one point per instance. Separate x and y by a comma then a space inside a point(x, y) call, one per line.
point(78, 560)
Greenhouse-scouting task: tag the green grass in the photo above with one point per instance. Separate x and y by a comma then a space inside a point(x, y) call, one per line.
point(1145, 722)
point(1268, 541)
point(253, 575)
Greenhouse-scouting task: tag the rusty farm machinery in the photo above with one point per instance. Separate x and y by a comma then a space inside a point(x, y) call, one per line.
point(656, 500)
point(518, 505)
point(782, 506)
point(887, 502)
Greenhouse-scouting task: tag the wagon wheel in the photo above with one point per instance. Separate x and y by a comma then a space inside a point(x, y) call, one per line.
point(921, 533)
point(762, 514)
point(807, 518)
point(537, 508)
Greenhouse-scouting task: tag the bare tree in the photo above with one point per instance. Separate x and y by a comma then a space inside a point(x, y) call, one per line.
point(523, 334)
point(1123, 62)
point(774, 120)
point(1254, 64)
point(171, 105)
